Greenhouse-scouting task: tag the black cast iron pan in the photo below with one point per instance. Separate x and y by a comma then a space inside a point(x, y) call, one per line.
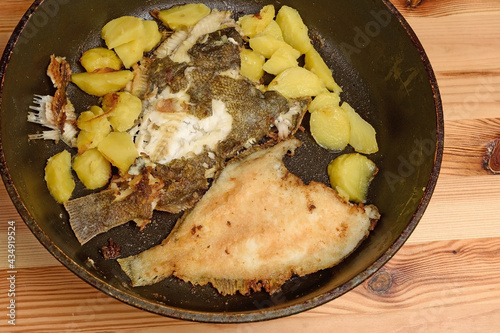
point(385, 75)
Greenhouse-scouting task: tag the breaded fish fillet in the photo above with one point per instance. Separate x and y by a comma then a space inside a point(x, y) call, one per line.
point(255, 228)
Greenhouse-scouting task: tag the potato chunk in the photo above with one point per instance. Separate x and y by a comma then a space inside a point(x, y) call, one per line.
point(130, 53)
point(251, 64)
point(88, 140)
point(184, 15)
point(315, 63)
point(283, 58)
point(295, 32)
point(297, 82)
point(330, 128)
point(94, 120)
point(122, 109)
point(152, 35)
point(58, 176)
point(119, 149)
point(324, 100)
point(254, 24)
point(273, 30)
point(100, 84)
point(351, 174)
point(92, 169)
point(100, 58)
point(122, 30)
point(94, 126)
point(363, 136)
point(266, 45)
point(130, 37)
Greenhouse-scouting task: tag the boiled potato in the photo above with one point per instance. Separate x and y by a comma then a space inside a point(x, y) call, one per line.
point(88, 140)
point(94, 120)
point(184, 15)
point(94, 126)
point(131, 53)
point(122, 30)
point(315, 63)
point(92, 169)
point(363, 136)
point(251, 64)
point(58, 176)
point(295, 32)
point(266, 45)
point(100, 58)
point(297, 82)
point(283, 58)
point(330, 128)
point(100, 84)
point(122, 109)
point(350, 175)
point(252, 25)
point(273, 30)
point(324, 100)
point(119, 149)
point(152, 35)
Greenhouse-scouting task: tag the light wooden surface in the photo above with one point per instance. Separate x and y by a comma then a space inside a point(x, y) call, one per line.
point(446, 278)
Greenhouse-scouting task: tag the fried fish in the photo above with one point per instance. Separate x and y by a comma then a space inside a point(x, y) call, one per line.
point(256, 227)
point(196, 116)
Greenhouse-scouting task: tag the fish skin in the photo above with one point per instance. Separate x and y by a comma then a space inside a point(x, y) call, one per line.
point(183, 181)
point(257, 226)
point(122, 202)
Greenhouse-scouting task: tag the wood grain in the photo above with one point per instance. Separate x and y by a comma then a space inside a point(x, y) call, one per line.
point(446, 278)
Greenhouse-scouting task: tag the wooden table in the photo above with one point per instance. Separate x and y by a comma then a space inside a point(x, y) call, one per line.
point(446, 278)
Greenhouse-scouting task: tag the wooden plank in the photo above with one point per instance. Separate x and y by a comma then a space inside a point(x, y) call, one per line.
point(429, 283)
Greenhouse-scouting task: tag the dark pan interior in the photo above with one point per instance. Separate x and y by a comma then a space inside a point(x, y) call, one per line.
point(376, 59)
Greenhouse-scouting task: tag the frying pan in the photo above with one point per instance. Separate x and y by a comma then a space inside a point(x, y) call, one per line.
point(385, 75)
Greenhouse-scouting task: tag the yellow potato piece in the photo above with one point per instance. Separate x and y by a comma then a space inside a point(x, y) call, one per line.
point(266, 45)
point(251, 64)
point(119, 149)
point(100, 84)
point(92, 169)
point(315, 63)
point(254, 24)
point(122, 30)
point(88, 140)
point(283, 58)
point(94, 120)
point(58, 176)
point(131, 53)
point(184, 15)
point(363, 136)
point(351, 175)
point(152, 35)
point(100, 58)
point(122, 109)
point(273, 30)
point(297, 82)
point(295, 32)
point(140, 41)
point(330, 128)
point(324, 100)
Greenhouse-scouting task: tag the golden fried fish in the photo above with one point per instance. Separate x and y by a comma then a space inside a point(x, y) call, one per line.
point(256, 227)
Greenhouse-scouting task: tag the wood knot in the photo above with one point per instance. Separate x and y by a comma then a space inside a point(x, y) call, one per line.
point(380, 283)
point(491, 161)
point(413, 3)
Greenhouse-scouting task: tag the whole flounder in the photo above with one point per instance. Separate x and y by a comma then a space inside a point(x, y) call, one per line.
point(255, 228)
